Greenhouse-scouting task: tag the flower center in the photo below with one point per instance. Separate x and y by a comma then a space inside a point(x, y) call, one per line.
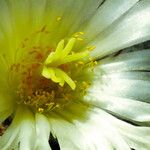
point(49, 79)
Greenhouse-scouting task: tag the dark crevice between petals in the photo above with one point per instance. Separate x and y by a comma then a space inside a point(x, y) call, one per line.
point(138, 47)
point(148, 71)
point(142, 46)
point(129, 121)
point(101, 3)
point(53, 142)
point(5, 124)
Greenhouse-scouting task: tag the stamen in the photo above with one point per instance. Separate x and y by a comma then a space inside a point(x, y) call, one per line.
point(81, 33)
point(91, 48)
point(80, 39)
point(78, 34)
point(58, 19)
point(40, 110)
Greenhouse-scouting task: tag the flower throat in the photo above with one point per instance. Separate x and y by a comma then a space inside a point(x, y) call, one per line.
point(50, 79)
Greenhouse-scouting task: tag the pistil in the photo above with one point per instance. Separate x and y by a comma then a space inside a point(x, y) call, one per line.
point(61, 56)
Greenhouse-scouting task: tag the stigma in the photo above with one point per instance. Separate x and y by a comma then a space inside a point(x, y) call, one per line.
point(52, 68)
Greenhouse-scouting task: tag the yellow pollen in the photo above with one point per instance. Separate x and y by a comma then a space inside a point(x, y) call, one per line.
point(40, 110)
point(85, 84)
point(58, 19)
point(91, 48)
point(90, 59)
point(80, 39)
point(76, 64)
point(81, 63)
point(81, 33)
point(78, 35)
point(92, 64)
point(95, 62)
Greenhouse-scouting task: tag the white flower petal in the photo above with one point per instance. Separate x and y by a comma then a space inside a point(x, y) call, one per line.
point(93, 137)
point(21, 133)
point(22, 17)
point(136, 137)
point(10, 137)
point(138, 60)
point(134, 111)
point(97, 134)
point(27, 133)
point(114, 85)
point(126, 31)
point(43, 132)
point(68, 136)
point(97, 125)
point(78, 13)
point(84, 132)
point(61, 122)
point(106, 15)
point(121, 88)
point(76, 138)
point(128, 89)
point(7, 140)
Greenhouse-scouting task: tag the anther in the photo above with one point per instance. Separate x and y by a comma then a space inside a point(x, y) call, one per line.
point(58, 19)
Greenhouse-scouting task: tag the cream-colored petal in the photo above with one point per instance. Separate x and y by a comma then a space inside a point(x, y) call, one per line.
point(83, 130)
point(106, 15)
point(128, 109)
point(42, 132)
point(22, 19)
point(135, 61)
point(27, 133)
point(68, 135)
point(94, 131)
point(10, 137)
point(135, 137)
point(21, 132)
point(62, 127)
point(122, 85)
point(132, 28)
